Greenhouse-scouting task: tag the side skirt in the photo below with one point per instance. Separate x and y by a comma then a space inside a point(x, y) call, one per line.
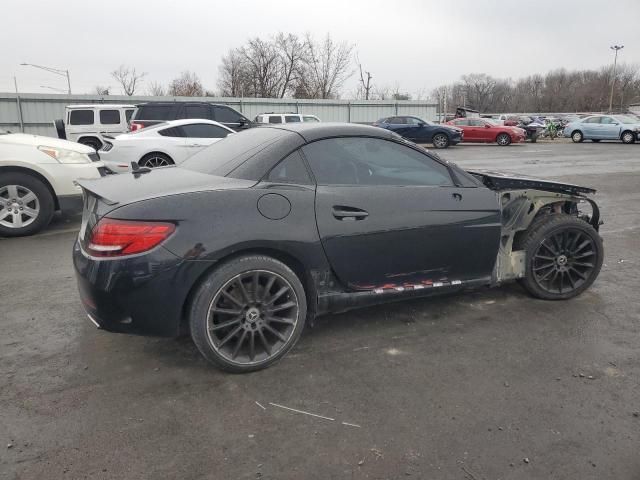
point(336, 302)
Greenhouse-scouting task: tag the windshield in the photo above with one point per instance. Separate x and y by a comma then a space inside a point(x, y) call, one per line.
point(491, 121)
point(224, 156)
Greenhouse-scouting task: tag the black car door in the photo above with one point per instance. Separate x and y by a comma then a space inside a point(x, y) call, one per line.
point(389, 214)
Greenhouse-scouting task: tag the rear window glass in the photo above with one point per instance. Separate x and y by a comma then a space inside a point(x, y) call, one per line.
point(157, 112)
point(109, 117)
point(275, 119)
point(81, 117)
point(291, 118)
point(223, 157)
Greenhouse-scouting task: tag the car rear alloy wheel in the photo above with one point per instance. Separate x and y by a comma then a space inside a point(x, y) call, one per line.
point(26, 205)
point(564, 256)
point(628, 137)
point(440, 140)
point(252, 318)
point(503, 139)
point(154, 160)
point(577, 137)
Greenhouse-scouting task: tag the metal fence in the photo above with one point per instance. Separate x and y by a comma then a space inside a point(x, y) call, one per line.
point(35, 113)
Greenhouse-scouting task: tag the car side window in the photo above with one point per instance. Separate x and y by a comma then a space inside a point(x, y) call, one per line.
point(461, 123)
point(290, 170)
point(607, 120)
point(372, 161)
point(227, 115)
point(128, 114)
point(171, 132)
point(476, 123)
point(81, 117)
point(275, 119)
point(413, 121)
point(308, 118)
point(109, 117)
point(204, 130)
point(398, 121)
point(291, 118)
point(197, 111)
point(593, 120)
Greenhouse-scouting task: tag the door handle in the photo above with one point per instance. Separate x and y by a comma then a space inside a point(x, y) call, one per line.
point(457, 196)
point(194, 145)
point(341, 212)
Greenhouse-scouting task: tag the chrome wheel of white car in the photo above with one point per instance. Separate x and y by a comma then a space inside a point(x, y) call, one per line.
point(26, 204)
point(19, 206)
point(154, 160)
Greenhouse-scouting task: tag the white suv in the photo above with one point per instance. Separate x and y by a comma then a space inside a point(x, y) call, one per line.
point(86, 124)
point(285, 118)
point(37, 177)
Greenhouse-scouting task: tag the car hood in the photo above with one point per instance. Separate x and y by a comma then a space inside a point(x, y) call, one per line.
point(507, 180)
point(128, 188)
point(36, 140)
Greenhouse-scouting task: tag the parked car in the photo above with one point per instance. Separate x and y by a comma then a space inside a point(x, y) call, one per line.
point(290, 117)
point(37, 177)
point(166, 143)
point(152, 113)
point(87, 124)
point(603, 127)
point(249, 239)
point(421, 131)
point(486, 131)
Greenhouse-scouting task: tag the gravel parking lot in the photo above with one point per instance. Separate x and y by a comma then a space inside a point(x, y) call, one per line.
point(489, 384)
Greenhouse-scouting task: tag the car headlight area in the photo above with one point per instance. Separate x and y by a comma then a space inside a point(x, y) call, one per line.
point(63, 155)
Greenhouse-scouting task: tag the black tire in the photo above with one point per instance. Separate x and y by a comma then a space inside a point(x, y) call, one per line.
point(43, 204)
point(440, 140)
point(91, 142)
point(577, 136)
point(232, 321)
point(561, 248)
point(155, 159)
point(534, 138)
point(503, 139)
point(595, 140)
point(628, 137)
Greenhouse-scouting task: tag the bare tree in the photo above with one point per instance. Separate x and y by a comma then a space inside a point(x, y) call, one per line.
point(186, 85)
point(128, 78)
point(156, 89)
point(233, 74)
point(326, 66)
point(263, 64)
point(365, 85)
point(100, 90)
point(291, 51)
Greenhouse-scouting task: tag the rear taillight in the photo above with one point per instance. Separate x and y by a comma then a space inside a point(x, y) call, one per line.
point(135, 126)
point(114, 238)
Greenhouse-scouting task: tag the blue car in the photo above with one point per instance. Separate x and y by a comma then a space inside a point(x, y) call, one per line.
point(421, 131)
point(603, 127)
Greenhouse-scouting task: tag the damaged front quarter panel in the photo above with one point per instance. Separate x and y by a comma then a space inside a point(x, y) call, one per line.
point(519, 208)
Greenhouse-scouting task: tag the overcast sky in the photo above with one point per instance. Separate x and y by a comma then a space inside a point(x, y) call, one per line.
point(415, 44)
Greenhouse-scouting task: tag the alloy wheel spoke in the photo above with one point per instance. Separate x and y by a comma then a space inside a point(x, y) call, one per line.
point(30, 212)
point(256, 284)
point(226, 324)
point(227, 311)
point(545, 257)
point(571, 282)
point(17, 220)
point(277, 295)
point(243, 290)
point(252, 345)
point(268, 287)
point(288, 321)
point(272, 330)
point(578, 272)
point(552, 250)
point(29, 197)
point(231, 298)
point(12, 190)
point(230, 335)
point(542, 267)
point(582, 245)
point(265, 343)
point(239, 344)
point(585, 254)
point(561, 274)
point(282, 306)
point(582, 264)
point(546, 275)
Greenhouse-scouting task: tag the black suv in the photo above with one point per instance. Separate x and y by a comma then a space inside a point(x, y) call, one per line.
point(151, 113)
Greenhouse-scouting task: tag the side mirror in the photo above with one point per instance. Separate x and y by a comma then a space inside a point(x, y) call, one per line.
point(421, 124)
point(486, 125)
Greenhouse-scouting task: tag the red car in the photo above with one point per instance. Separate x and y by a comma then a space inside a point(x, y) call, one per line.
point(486, 131)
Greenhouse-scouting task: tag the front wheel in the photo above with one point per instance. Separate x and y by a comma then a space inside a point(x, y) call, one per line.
point(440, 140)
point(563, 257)
point(577, 136)
point(248, 313)
point(26, 205)
point(503, 139)
point(628, 137)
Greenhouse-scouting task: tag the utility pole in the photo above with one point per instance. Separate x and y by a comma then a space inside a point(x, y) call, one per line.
point(613, 81)
point(19, 105)
point(62, 73)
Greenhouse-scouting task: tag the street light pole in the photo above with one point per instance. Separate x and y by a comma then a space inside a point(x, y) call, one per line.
point(613, 81)
point(62, 73)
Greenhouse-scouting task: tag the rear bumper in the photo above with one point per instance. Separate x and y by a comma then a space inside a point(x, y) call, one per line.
point(143, 294)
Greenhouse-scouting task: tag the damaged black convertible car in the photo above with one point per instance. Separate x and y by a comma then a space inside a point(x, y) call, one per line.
point(251, 238)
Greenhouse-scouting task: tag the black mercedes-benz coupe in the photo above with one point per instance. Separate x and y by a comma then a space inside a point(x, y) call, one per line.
point(251, 238)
